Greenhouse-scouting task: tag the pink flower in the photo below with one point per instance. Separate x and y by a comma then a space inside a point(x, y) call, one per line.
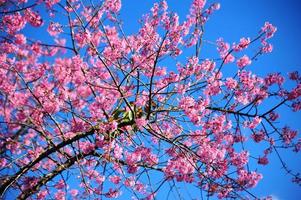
point(113, 5)
point(240, 159)
point(223, 49)
point(275, 78)
point(180, 168)
point(248, 179)
point(243, 44)
point(213, 88)
point(269, 30)
point(216, 6)
point(297, 146)
point(186, 103)
point(273, 116)
point(60, 184)
point(266, 47)
point(60, 195)
point(74, 192)
point(263, 160)
point(54, 29)
point(197, 6)
point(129, 182)
point(140, 122)
point(258, 136)
point(243, 61)
point(20, 39)
point(118, 151)
point(113, 193)
point(294, 75)
point(33, 18)
point(14, 22)
point(50, 3)
point(222, 46)
point(86, 147)
point(296, 106)
point(115, 179)
point(100, 179)
point(82, 38)
point(3, 162)
point(288, 135)
point(151, 196)
point(254, 123)
point(42, 194)
point(111, 126)
point(231, 83)
point(295, 93)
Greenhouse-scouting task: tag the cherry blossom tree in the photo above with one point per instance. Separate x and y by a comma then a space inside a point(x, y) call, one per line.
point(88, 111)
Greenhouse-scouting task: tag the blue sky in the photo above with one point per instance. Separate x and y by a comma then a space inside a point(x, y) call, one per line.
point(244, 18)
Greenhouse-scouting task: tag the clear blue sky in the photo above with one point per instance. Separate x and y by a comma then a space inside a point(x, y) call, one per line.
point(236, 19)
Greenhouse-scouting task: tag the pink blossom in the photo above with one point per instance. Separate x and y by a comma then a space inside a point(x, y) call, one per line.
point(296, 106)
point(198, 4)
point(60, 184)
point(254, 123)
point(294, 75)
point(243, 61)
point(275, 78)
point(263, 160)
point(100, 179)
point(222, 46)
point(74, 192)
point(151, 196)
point(60, 195)
point(54, 28)
point(229, 58)
point(141, 122)
point(209, 153)
point(231, 83)
point(213, 88)
point(179, 168)
point(258, 136)
point(295, 93)
point(288, 135)
point(224, 51)
point(129, 182)
point(248, 179)
point(269, 30)
point(111, 126)
point(33, 18)
point(115, 179)
point(82, 38)
point(186, 103)
point(113, 193)
point(42, 194)
point(14, 22)
point(118, 151)
point(113, 5)
point(240, 159)
point(86, 147)
point(51, 3)
point(29, 182)
point(20, 39)
point(216, 6)
point(3, 162)
point(139, 187)
point(273, 116)
point(243, 44)
point(297, 146)
point(266, 47)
